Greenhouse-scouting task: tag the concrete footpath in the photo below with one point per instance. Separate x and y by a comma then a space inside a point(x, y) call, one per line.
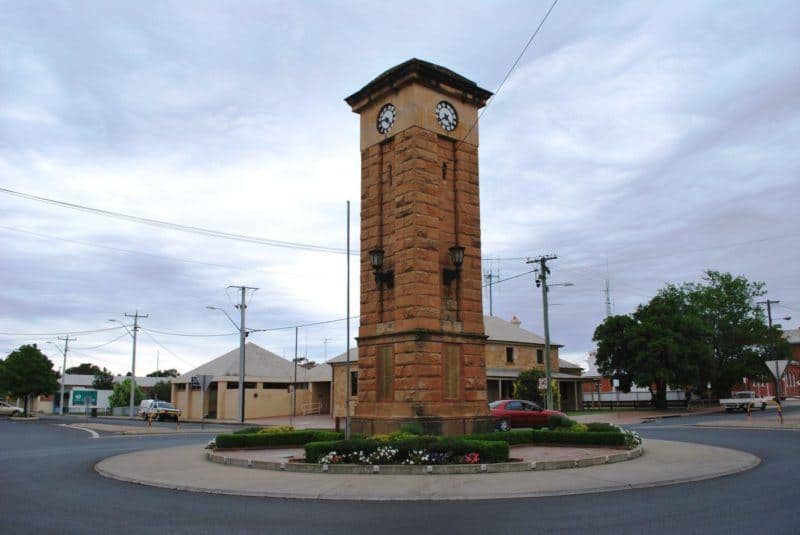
point(664, 463)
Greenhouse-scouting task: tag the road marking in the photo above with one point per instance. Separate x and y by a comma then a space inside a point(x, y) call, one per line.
point(92, 432)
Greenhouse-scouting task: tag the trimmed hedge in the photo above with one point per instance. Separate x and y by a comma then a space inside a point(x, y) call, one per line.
point(247, 431)
point(298, 437)
point(597, 427)
point(494, 451)
point(535, 436)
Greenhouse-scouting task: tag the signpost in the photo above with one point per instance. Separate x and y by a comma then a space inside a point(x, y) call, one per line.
point(776, 368)
point(203, 381)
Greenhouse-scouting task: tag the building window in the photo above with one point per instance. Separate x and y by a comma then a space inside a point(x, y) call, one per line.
point(385, 373)
point(301, 386)
point(540, 356)
point(509, 355)
point(275, 386)
point(452, 372)
point(180, 387)
point(233, 385)
point(353, 384)
point(249, 385)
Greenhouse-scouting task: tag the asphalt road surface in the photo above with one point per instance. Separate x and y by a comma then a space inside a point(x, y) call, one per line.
point(48, 485)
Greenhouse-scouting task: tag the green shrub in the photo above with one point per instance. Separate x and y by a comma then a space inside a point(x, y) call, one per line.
point(557, 421)
point(515, 436)
point(599, 427)
point(412, 428)
point(290, 438)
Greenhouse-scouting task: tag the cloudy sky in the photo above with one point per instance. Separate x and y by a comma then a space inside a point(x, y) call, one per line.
point(640, 142)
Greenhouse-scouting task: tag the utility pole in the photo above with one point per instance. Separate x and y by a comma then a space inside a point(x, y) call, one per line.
point(541, 281)
point(135, 316)
point(490, 277)
point(67, 340)
point(294, 383)
point(325, 342)
point(769, 304)
point(242, 306)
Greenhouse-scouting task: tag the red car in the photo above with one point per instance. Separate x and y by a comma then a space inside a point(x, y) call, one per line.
point(508, 413)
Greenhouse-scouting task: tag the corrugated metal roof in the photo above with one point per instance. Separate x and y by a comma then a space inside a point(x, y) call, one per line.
point(261, 365)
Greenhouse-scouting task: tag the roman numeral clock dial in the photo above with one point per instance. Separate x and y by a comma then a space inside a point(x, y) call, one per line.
point(386, 118)
point(446, 116)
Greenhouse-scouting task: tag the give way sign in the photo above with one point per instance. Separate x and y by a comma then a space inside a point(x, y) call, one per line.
point(776, 367)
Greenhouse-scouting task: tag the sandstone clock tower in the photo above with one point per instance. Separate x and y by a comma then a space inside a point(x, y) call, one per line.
point(421, 345)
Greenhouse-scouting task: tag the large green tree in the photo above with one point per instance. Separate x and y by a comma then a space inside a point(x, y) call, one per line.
point(526, 386)
point(121, 396)
point(27, 372)
point(662, 343)
point(738, 334)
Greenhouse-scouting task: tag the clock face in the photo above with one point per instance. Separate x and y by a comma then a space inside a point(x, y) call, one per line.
point(386, 118)
point(446, 116)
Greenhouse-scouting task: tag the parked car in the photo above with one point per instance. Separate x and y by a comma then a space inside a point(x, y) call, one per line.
point(158, 410)
point(508, 413)
point(6, 409)
point(743, 401)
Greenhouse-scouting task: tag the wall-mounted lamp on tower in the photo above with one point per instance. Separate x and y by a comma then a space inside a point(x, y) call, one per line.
point(457, 258)
point(381, 276)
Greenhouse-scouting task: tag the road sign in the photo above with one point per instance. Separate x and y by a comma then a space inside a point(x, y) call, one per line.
point(776, 367)
point(84, 397)
point(542, 383)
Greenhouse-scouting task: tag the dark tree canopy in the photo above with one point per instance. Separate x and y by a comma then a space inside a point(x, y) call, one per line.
point(85, 368)
point(26, 372)
point(689, 335)
point(103, 380)
point(172, 372)
point(162, 391)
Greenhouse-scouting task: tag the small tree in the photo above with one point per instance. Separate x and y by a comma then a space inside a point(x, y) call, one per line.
point(162, 391)
point(526, 386)
point(121, 397)
point(27, 372)
point(103, 380)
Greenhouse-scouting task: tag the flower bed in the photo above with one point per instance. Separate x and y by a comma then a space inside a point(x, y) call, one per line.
point(411, 450)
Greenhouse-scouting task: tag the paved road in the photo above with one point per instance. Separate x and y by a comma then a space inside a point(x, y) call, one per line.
point(48, 486)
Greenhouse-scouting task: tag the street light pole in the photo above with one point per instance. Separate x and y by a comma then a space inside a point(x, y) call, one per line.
point(67, 340)
point(294, 383)
point(541, 280)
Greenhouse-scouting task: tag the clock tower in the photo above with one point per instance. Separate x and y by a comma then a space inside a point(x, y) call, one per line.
point(421, 345)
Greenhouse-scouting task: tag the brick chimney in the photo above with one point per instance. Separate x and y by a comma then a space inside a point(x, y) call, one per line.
point(515, 321)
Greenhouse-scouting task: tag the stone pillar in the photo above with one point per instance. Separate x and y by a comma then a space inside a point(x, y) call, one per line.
point(421, 341)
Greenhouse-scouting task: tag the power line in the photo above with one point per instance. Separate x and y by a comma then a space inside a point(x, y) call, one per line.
point(178, 227)
point(61, 333)
point(165, 348)
point(191, 335)
point(510, 70)
point(105, 344)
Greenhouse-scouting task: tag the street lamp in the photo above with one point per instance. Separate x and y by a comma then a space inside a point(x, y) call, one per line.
point(132, 402)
